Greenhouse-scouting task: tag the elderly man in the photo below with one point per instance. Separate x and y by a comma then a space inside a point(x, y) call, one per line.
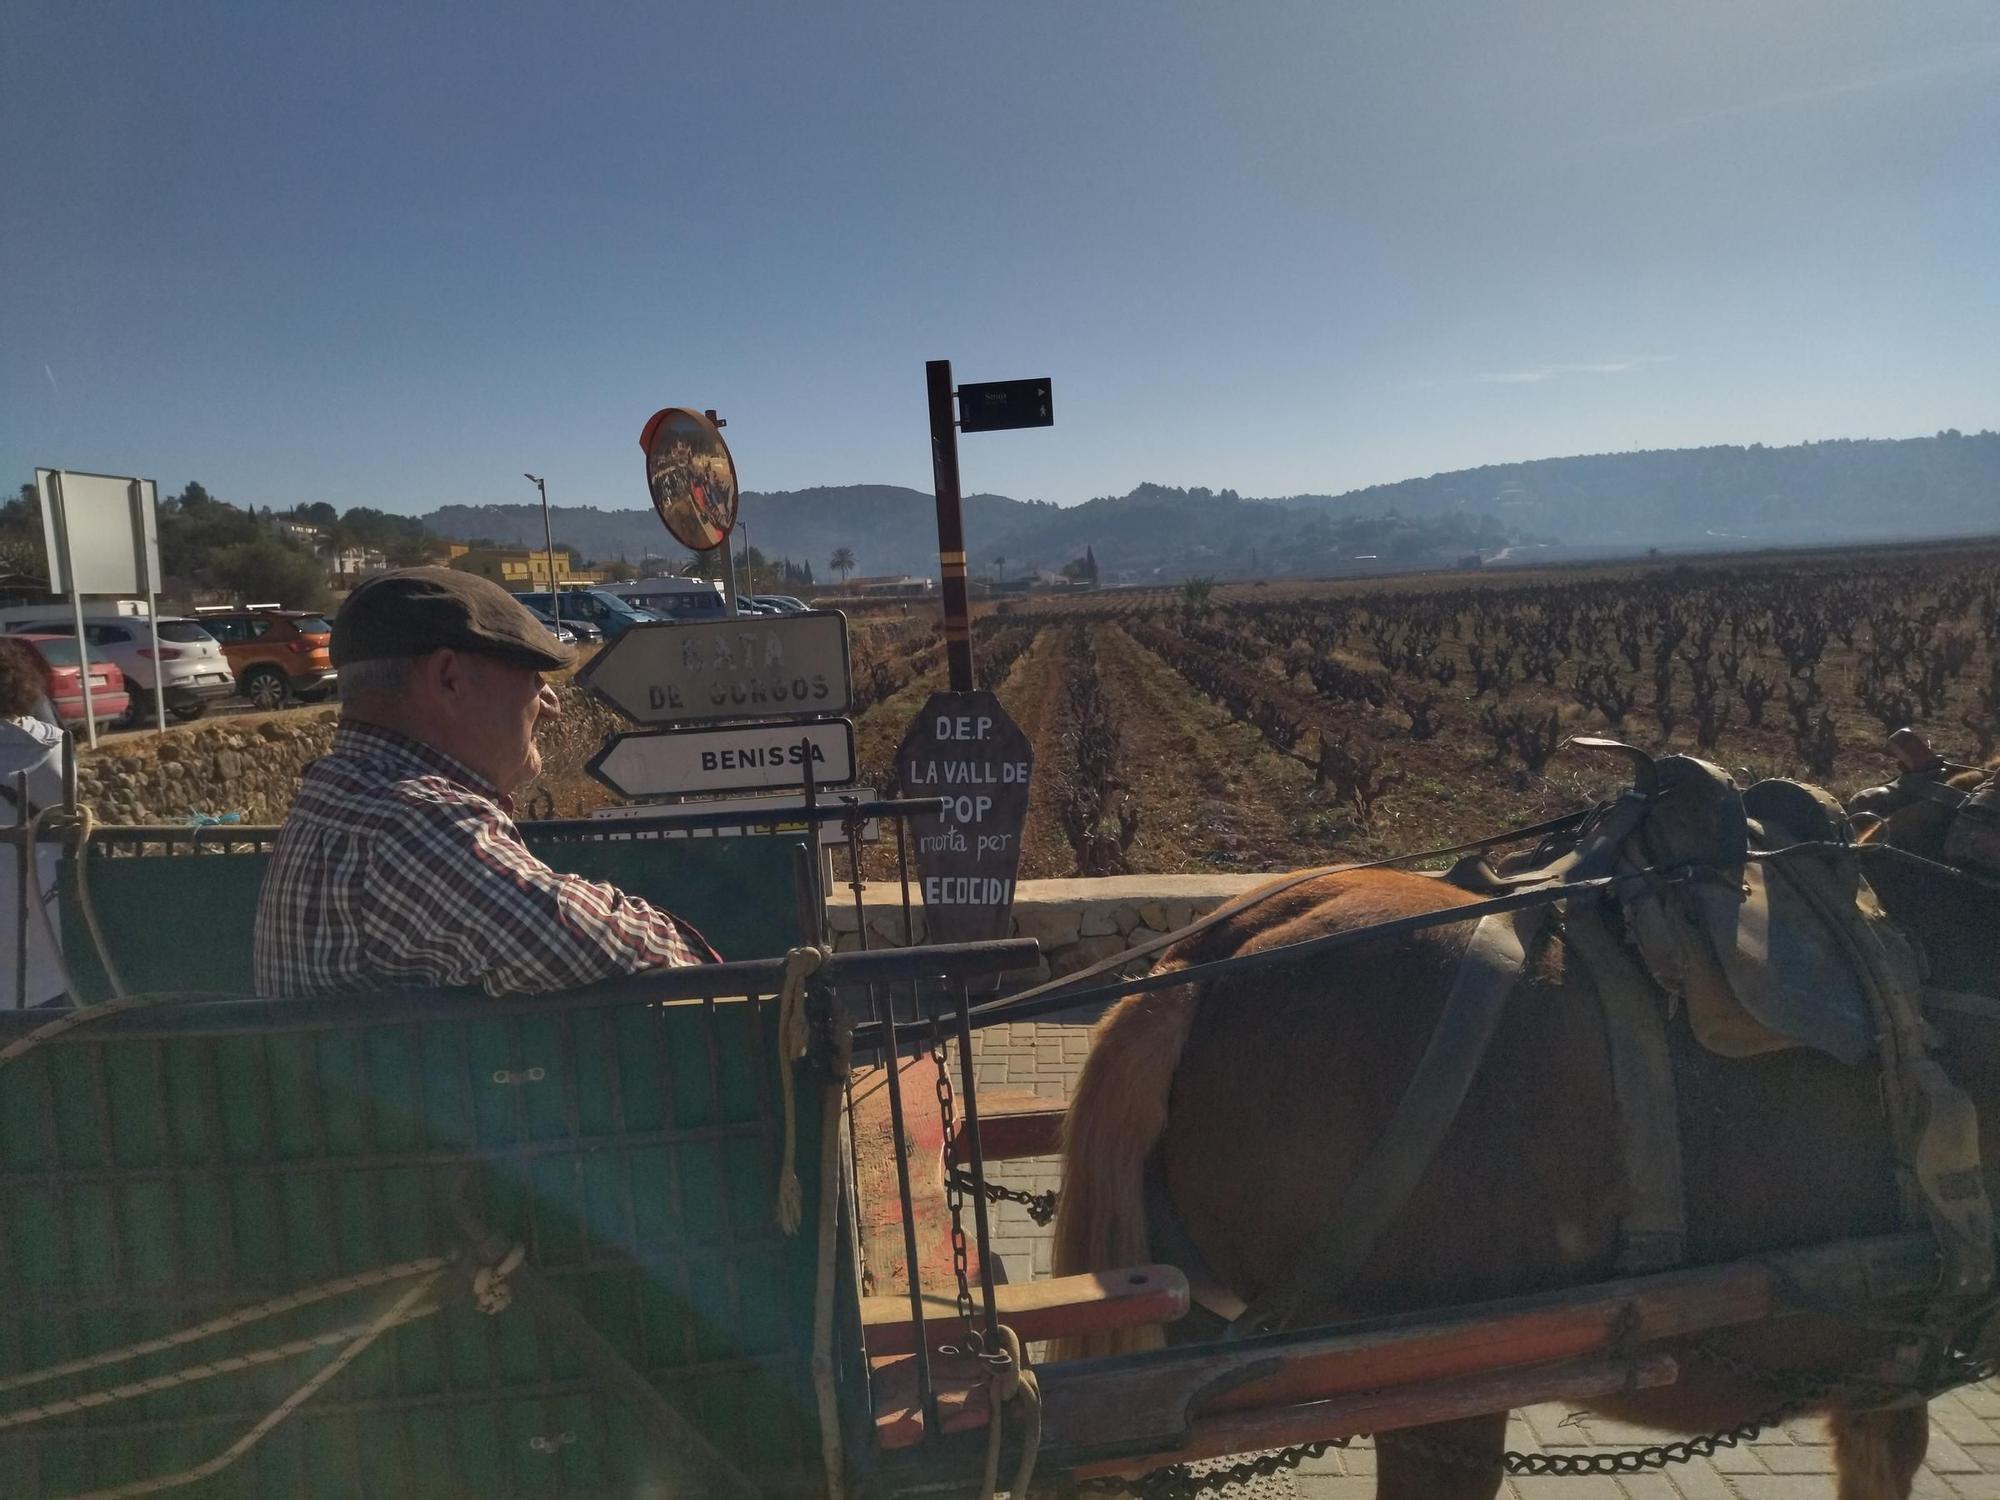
point(399, 863)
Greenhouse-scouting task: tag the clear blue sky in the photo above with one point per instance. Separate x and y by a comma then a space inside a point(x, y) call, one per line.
point(397, 254)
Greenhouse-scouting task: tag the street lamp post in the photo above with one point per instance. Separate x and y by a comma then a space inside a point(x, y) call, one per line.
point(548, 541)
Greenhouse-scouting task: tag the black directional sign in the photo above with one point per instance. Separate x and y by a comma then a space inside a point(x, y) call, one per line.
point(997, 405)
point(964, 747)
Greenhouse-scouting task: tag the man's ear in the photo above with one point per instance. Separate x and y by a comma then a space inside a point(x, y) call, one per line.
point(438, 674)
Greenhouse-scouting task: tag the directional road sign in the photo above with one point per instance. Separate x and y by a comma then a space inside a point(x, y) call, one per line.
point(739, 758)
point(996, 405)
point(752, 667)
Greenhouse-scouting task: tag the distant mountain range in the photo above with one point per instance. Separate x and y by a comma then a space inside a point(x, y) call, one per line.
point(1841, 490)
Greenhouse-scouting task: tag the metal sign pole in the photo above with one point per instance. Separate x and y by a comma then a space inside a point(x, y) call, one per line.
point(76, 604)
point(951, 526)
point(152, 603)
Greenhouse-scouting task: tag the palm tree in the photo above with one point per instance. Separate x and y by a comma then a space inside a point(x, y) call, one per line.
point(999, 566)
point(842, 562)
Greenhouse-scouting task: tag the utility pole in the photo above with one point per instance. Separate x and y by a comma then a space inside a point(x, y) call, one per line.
point(549, 543)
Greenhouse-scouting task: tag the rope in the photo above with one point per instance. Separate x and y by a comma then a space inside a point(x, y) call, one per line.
point(1010, 1379)
point(489, 1286)
point(80, 824)
point(228, 1364)
point(21, 1046)
point(227, 1323)
point(794, 1035)
point(489, 1283)
point(1262, 894)
point(397, 1312)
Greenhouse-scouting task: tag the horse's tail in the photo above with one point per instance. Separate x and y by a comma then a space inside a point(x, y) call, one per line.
point(1115, 1118)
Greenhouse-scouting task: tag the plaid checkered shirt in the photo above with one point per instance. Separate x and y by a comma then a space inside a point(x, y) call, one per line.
point(399, 866)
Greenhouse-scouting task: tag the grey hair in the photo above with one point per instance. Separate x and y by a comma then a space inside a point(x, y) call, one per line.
point(385, 675)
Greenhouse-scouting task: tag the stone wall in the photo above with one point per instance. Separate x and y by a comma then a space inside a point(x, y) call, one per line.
point(1077, 922)
point(250, 765)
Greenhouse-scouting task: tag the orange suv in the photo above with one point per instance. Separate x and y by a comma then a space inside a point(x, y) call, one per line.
point(276, 654)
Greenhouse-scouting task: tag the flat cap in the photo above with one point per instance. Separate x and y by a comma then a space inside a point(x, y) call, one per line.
point(415, 611)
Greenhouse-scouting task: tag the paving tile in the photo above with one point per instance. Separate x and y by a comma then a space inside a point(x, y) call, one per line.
point(1780, 1486)
point(1737, 1461)
point(1333, 1487)
point(1587, 1487)
point(1986, 1455)
point(1699, 1481)
point(1946, 1457)
point(1646, 1487)
point(1961, 1423)
point(1797, 1459)
point(1557, 1427)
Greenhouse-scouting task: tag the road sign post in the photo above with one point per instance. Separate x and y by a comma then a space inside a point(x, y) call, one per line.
point(102, 536)
point(992, 407)
point(965, 748)
point(951, 527)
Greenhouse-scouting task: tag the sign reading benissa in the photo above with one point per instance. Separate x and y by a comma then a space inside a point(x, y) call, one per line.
point(736, 758)
point(752, 667)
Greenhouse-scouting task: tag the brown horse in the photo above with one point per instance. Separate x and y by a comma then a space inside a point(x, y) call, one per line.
point(1263, 1092)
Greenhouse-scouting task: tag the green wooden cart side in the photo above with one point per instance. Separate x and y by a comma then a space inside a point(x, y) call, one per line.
point(164, 1166)
point(183, 921)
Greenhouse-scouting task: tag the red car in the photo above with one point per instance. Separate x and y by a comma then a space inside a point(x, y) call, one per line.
point(108, 698)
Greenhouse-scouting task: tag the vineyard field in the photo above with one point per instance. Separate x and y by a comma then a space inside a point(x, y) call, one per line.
point(1252, 727)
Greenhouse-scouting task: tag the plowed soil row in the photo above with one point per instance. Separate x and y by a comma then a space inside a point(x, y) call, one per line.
point(1211, 794)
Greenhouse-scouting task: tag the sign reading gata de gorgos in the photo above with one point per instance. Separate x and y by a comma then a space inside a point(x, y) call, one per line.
point(751, 667)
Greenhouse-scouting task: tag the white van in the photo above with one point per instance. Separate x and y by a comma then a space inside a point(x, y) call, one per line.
point(680, 599)
point(191, 669)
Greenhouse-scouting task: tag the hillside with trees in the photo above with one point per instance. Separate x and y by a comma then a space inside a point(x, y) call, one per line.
point(1721, 497)
point(1841, 490)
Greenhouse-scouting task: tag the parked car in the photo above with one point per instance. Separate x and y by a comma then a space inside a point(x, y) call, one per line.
point(784, 604)
point(190, 671)
point(108, 699)
point(679, 599)
point(569, 631)
point(276, 654)
point(611, 615)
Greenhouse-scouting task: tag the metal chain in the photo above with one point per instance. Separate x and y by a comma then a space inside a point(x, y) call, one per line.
point(1180, 1482)
point(1041, 1207)
point(1803, 1392)
point(954, 1194)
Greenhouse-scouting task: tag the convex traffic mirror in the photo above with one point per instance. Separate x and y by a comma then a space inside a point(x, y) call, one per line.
point(691, 476)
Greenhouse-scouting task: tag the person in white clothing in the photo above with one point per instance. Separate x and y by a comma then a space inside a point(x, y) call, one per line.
point(30, 742)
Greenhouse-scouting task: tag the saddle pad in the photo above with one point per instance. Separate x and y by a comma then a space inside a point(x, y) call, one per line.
point(1783, 968)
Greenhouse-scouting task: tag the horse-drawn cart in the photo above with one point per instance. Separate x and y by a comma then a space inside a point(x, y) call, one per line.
point(714, 1231)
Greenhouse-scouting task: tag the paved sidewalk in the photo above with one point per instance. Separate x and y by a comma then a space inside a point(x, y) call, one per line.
point(1793, 1464)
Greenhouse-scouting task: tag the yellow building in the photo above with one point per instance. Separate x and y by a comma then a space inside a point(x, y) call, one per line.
point(523, 569)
